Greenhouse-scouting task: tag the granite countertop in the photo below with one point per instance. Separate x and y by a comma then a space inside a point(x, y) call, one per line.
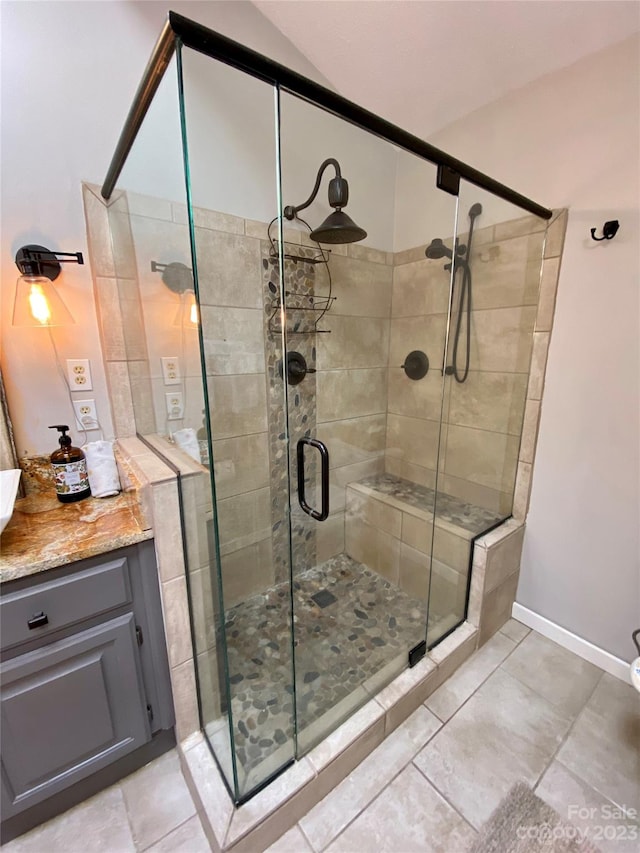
point(44, 533)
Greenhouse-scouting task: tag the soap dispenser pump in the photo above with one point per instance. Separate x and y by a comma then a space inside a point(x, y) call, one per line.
point(69, 469)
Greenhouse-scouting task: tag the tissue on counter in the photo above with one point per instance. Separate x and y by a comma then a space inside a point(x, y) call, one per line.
point(102, 469)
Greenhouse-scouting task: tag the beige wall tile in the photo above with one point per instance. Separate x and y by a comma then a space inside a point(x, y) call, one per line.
point(503, 559)
point(362, 289)
point(185, 703)
point(366, 253)
point(330, 537)
point(146, 205)
point(355, 439)
point(217, 221)
point(124, 253)
point(554, 240)
point(490, 401)
point(530, 431)
point(350, 393)
point(487, 458)
point(374, 548)
point(133, 326)
point(522, 491)
point(507, 273)
point(473, 493)
point(201, 608)
point(354, 342)
point(110, 319)
point(408, 256)
point(208, 667)
point(538, 365)
point(496, 608)
point(417, 532)
point(501, 339)
point(377, 513)
point(414, 572)
point(241, 464)
point(519, 227)
point(416, 399)
point(548, 289)
point(244, 519)
point(233, 340)
point(452, 550)
point(176, 620)
point(121, 399)
point(167, 532)
point(413, 440)
point(229, 269)
point(254, 228)
point(238, 404)
point(417, 333)
point(421, 287)
point(142, 397)
point(247, 572)
point(339, 478)
point(418, 474)
point(99, 234)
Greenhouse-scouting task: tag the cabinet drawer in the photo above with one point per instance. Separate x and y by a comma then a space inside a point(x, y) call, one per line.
point(63, 602)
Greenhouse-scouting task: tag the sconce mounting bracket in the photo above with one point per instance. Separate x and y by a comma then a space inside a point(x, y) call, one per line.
point(45, 261)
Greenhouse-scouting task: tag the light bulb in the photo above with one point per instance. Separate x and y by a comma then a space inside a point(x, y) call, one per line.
point(38, 304)
point(193, 314)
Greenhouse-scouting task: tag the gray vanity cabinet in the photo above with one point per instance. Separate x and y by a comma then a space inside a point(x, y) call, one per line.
point(76, 692)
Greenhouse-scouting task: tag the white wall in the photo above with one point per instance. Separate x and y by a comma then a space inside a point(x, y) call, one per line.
point(572, 139)
point(69, 71)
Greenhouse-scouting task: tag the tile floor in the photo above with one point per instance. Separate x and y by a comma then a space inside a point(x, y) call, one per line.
point(521, 708)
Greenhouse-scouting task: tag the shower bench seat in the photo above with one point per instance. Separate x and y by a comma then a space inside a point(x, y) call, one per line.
point(390, 527)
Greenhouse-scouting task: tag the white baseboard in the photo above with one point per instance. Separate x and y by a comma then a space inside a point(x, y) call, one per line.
point(579, 646)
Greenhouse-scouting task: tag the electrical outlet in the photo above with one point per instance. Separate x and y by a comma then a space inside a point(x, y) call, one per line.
point(175, 406)
point(79, 373)
point(86, 414)
point(170, 370)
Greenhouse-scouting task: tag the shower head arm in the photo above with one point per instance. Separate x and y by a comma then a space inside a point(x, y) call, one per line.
point(338, 190)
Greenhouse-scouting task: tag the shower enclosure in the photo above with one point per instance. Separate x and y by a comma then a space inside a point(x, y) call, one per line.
point(345, 416)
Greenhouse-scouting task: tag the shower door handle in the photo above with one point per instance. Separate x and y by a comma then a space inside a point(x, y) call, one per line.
point(324, 478)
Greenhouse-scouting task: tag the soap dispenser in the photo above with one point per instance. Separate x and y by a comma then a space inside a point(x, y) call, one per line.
point(70, 469)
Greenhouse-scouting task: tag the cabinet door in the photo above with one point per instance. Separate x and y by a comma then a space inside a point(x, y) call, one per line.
point(69, 709)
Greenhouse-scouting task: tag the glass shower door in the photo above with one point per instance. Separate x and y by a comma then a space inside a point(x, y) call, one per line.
point(363, 323)
point(497, 268)
point(231, 161)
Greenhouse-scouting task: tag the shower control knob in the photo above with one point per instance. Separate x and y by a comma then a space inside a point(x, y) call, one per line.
point(416, 365)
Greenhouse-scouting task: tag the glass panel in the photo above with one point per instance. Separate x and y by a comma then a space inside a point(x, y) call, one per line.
point(354, 313)
point(155, 289)
point(495, 297)
point(230, 132)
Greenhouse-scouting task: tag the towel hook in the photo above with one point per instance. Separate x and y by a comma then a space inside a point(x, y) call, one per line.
point(609, 231)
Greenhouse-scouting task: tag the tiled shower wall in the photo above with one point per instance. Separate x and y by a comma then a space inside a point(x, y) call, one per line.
point(482, 417)
point(371, 415)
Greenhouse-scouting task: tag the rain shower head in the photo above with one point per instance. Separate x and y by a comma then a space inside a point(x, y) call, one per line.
point(337, 227)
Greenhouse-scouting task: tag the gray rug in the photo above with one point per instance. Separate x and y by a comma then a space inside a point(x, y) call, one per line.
point(523, 823)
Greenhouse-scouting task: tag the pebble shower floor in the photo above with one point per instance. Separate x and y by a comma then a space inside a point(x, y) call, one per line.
point(350, 636)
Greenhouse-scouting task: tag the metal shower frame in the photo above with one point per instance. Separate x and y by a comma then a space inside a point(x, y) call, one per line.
point(213, 44)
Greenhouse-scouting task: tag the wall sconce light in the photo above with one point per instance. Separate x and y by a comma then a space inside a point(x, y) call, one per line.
point(179, 279)
point(37, 302)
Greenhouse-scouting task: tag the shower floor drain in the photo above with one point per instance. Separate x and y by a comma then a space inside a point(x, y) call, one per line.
point(323, 598)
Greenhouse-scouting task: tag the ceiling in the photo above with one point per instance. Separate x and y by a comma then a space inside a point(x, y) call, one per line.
point(425, 63)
